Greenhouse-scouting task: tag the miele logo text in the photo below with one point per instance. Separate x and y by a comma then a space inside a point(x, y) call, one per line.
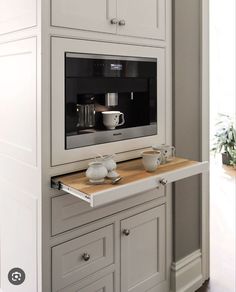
point(116, 67)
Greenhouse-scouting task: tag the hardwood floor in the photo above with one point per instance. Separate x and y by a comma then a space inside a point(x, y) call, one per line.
point(223, 228)
point(205, 288)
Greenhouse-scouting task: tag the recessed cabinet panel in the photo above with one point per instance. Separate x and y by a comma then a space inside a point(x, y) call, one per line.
point(81, 257)
point(142, 18)
point(102, 285)
point(18, 100)
point(84, 14)
point(69, 212)
point(143, 250)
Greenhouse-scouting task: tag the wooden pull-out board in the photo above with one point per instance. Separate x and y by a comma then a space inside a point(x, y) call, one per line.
point(135, 180)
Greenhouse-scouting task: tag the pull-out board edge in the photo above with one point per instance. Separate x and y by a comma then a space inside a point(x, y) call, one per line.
point(72, 191)
point(123, 191)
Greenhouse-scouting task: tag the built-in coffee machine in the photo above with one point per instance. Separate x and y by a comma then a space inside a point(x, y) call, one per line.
point(109, 98)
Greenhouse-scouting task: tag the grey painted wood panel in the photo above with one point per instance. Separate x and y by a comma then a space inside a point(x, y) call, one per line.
point(102, 285)
point(143, 250)
point(69, 212)
point(84, 14)
point(150, 26)
point(68, 262)
point(187, 123)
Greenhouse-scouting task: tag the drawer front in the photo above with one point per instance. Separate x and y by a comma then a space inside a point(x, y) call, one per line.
point(81, 257)
point(105, 284)
point(69, 212)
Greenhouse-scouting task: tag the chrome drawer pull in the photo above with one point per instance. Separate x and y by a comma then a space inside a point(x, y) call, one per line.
point(122, 22)
point(126, 232)
point(86, 257)
point(163, 182)
point(114, 21)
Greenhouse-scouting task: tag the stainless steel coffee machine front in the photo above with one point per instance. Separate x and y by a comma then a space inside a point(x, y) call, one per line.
point(109, 98)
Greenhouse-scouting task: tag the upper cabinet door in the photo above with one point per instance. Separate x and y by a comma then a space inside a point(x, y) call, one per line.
point(85, 14)
point(142, 18)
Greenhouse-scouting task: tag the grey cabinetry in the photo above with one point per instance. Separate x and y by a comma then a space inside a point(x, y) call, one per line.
point(69, 212)
point(142, 18)
point(128, 246)
point(84, 14)
point(138, 18)
point(104, 284)
point(143, 250)
point(81, 257)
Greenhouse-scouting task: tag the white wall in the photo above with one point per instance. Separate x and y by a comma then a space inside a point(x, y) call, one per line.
point(222, 57)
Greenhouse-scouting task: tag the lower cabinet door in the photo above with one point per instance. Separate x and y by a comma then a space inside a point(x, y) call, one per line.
point(143, 253)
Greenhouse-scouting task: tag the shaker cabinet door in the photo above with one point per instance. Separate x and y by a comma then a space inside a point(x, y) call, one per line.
point(143, 250)
point(85, 14)
point(142, 18)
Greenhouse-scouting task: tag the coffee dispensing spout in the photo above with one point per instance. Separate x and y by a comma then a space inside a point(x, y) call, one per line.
point(111, 99)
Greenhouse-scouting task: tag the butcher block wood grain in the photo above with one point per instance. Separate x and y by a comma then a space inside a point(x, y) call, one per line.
point(135, 180)
point(131, 171)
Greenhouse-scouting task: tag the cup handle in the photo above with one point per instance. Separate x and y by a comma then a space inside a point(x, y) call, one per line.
point(122, 119)
point(173, 151)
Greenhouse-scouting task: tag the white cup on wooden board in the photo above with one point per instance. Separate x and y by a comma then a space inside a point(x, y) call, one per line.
point(151, 160)
point(167, 152)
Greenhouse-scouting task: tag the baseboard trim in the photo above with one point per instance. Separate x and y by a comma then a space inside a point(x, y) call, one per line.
point(186, 274)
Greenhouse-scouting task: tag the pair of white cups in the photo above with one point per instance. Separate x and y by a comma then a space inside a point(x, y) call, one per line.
point(159, 155)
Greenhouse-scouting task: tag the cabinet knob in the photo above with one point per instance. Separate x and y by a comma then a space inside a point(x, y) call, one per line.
point(163, 182)
point(122, 22)
point(114, 21)
point(126, 232)
point(86, 257)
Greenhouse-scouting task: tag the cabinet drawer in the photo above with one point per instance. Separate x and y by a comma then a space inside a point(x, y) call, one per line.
point(69, 212)
point(101, 285)
point(81, 257)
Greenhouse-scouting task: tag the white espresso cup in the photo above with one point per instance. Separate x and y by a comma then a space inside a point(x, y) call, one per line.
point(167, 152)
point(111, 119)
point(151, 160)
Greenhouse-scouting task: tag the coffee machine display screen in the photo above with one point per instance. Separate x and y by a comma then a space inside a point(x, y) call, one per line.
point(109, 98)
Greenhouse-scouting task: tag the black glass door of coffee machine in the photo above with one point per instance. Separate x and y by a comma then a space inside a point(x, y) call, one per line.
point(109, 99)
